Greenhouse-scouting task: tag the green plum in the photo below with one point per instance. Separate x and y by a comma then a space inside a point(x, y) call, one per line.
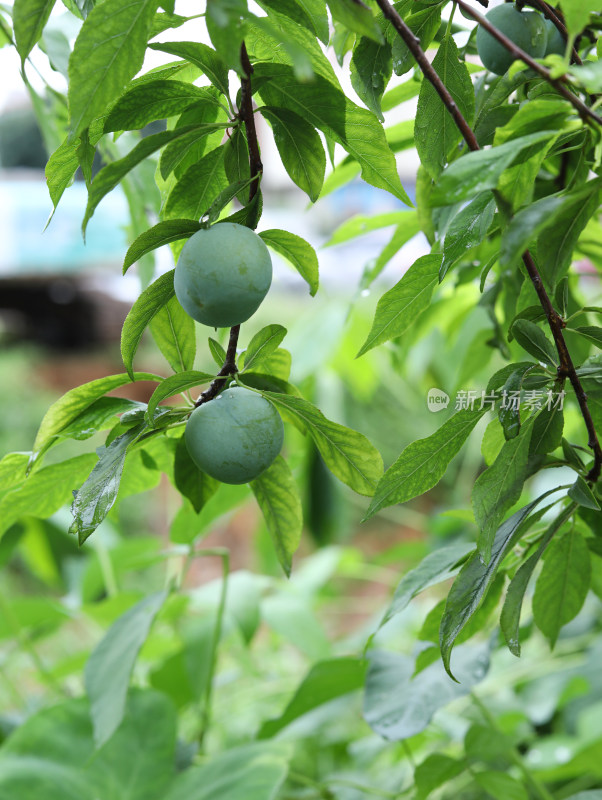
point(223, 274)
point(555, 42)
point(525, 28)
point(234, 437)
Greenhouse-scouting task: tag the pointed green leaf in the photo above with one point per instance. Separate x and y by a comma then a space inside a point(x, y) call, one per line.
point(150, 101)
point(591, 333)
point(562, 585)
point(475, 578)
point(510, 616)
point(150, 302)
point(357, 17)
point(29, 20)
point(162, 233)
point(325, 681)
point(45, 491)
point(217, 352)
point(348, 454)
point(581, 493)
point(327, 108)
point(499, 487)
point(298, 252)
point(435, 132)
point(263, 344)
point(278, 498)
point(174, 332)
point(300, 149)
point(97, 495)
point(198, 187)
point(311, 14)
point(371, 69)
point(467, 229)
point(532, 339)
point(202, 56)
point(400, 306)
point(190, 481)
point(423, 463)
point(68, 407)
point(108, 52)
point(176, 384)
point(109, 668)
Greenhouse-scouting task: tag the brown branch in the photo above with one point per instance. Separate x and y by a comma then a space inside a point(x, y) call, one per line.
point(555, 321)
point(247, 117)
point(585, 112)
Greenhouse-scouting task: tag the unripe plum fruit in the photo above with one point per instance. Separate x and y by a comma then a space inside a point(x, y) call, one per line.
point(223, 274)
point(525, 28)
point(555, 42)
point(234, 437)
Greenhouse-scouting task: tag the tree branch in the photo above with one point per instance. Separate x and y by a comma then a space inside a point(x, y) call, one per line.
point(247, 117)
point(585, 112)
point(555, 321)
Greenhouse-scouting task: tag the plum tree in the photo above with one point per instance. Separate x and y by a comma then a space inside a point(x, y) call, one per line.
point(223, 274)
point(236, 436)
point(525, 28)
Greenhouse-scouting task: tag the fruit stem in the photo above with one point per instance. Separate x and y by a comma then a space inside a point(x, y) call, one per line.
point(229, 368)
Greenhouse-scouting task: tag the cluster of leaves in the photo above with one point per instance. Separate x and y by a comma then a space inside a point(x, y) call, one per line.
point(534, 184)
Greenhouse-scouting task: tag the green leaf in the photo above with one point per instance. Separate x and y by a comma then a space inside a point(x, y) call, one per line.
point(434, 771)
point(398, 308)
point(108, 52)
point(198, 187)
point(436, 567)
point(357, 17)
point(547, 430)
point(67, 408)
point(371, 69)
point(150, 101)
point(581, 493)
point(29, 20)
point(467, 229)
point(176, 384)
point(150, 302)
point(327, 108)
point(202, 56)
point(236, 160)
point(475, 578)
point(499, 487)
point(278, 498)
point(162, 233)
point(423, 463)
point(398, 705)
point(109, 668)
point(500, 785)
point(255, 771)
point(591, 333)
point(263, 344)
point(298, 252)
point(310, 14)
point(174, 332)
point(96, 497)
point(100, 415)
point(532, 339)
point(111, 175)
point(481, 170)
point(347, 454)
point(424, 24)
point(190, 481)
point(300, 149)
point(526, 226)
point(562, 585)
point(577, 13)
point(361, 224)
point(45, 491)
point(198, 139)
point(435, 131)
point(217, 352)
point(325, 681)
point(510, 616)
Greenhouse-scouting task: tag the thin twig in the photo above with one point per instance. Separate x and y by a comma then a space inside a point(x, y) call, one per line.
point(247, 117)
point(555, 321)
point(585, 111)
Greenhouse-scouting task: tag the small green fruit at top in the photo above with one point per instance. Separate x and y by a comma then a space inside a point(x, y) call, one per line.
point(235, 437)
point(555, 42)
point(223, 274)
point(525, 28)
